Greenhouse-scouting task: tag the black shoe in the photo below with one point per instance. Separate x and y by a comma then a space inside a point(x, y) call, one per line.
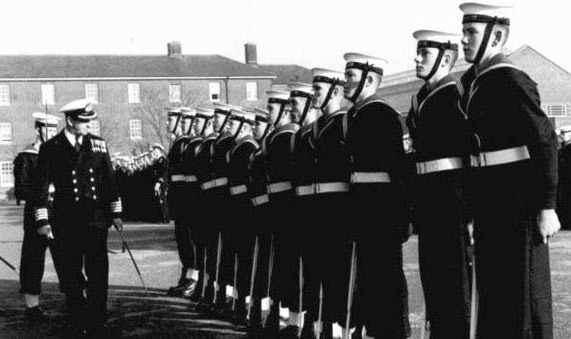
point(290, 332)
point(35, 314)
point(102, 331)
point(189, 289)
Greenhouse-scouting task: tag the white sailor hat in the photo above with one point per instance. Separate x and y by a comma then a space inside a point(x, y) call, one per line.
point(204, 113)
point(220, 108)
point(565, 129)
point(187, 112)
point(261, 114)
point(242, 115)
point(436, 39)
point(81, 109)
point(486, 13)
point(364, 62)
point(327, 76)
point(300, 89)
point(159, 146)
point(44, 119)
point(277, 97)
point(173, 111)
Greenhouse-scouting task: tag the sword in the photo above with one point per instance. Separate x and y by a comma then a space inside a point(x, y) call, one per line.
point(217, 273)
point(134, 262)
point(300, 295)
point(9, 265)
point(253, 277)
point(352, 277)
point(235, 287)
point(474, 303)
point(319, 313)
point(204, 277)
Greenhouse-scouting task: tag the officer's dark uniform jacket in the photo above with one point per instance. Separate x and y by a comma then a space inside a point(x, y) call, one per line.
point(375, 141)
point(176, 176)
point(84, 181)
point(440, 137)
point(514, 155)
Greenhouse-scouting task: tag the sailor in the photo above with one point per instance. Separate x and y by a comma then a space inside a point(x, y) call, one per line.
point(514, 180)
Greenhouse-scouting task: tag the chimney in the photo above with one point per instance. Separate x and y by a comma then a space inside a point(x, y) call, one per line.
point(251, 54)
point(174, 49)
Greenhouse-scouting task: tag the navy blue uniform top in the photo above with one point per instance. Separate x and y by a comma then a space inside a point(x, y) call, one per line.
point(85, 186)
point(331, 151)
point(239, 161)
point(375, 140)
point(204, 165)
point(221, 147)
point(437, 126)
point(176, 156)
point(504, 111)
point(304, 160)
point(279, 154)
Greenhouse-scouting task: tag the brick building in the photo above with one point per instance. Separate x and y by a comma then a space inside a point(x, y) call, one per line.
point(129, 92)
point(554, 84)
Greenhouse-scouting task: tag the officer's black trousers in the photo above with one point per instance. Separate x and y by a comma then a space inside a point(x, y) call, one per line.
point(33, 259)
point(84, 247)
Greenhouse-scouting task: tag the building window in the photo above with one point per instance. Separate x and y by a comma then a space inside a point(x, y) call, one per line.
point(5, 133)
point(135, 129)
point(555, 110)
point(252, 91)
point(95, 127)
point(174, 93)
point(4, 95)
point(214, 89)
point(92, 92)
point(6, 174)
point(48, 94)
point(133, 90)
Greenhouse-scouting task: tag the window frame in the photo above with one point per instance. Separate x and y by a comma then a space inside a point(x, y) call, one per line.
point(5, 94)
point(6, 174)
point(53, 93)
point(130, 93)
point(250, 90)
point(213, 87)
point(132, 135)
point(10, 133)
point(171, 93)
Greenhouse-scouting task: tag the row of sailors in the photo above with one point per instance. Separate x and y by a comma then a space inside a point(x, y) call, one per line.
point(142, 185)
point(297, 228)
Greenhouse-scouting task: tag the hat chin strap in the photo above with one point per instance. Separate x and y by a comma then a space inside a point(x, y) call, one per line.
point(485, 40)
point(221, 129)
point(305, 111)
point(191, 125)
point(239, 129)
point(361, 85)
point(280, 114)
point(436, 65)
point(176, 124)
point(266, 130)
point(204, 126)
point(328, 96)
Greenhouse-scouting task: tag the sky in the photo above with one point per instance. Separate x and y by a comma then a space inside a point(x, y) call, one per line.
point(311, 33)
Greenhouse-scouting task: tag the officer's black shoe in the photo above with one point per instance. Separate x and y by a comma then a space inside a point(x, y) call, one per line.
point(35, 314)
point(290, 332)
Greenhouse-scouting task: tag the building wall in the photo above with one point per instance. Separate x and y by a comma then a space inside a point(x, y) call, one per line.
point(114, 110)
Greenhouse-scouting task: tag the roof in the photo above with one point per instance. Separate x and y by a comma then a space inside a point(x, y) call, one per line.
point(123, 66)
point(288, 73)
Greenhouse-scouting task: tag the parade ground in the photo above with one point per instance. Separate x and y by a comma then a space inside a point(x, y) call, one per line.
point(136, 313)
